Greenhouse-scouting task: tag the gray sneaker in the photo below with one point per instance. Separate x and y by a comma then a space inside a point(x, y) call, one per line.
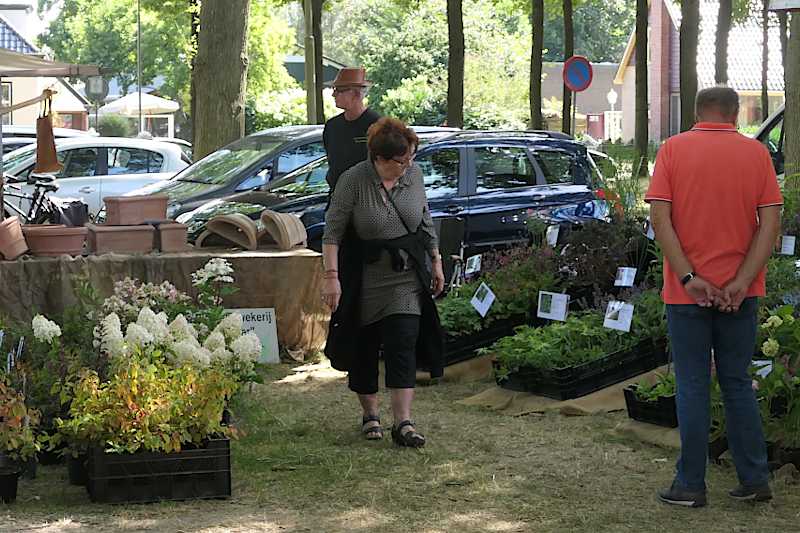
point(754, 494)
point(678, 496)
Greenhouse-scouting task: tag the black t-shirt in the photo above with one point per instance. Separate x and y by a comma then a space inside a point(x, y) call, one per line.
point(346, 142)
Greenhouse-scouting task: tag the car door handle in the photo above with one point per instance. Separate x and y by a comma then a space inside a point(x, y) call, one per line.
point(86, 189)
point(453, 209)
point(512, 218)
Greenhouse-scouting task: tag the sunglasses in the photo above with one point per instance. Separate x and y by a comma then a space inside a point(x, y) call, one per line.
point(342, 90)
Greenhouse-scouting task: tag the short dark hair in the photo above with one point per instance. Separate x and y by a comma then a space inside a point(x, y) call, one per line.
point(723, 99)
point(389, 137)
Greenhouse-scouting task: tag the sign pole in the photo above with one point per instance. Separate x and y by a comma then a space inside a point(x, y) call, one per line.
point(574, 107)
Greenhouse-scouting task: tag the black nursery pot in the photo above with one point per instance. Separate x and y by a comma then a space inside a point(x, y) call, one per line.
point(29, 468)
point(8, 486)
point(76, 470)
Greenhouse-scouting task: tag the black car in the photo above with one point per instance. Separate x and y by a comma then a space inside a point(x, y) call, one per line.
point(772, 134)
point(249, 164)
point(493, 181)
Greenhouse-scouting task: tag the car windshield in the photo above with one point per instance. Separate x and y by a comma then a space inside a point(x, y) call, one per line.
point(227, 163)
point(309, 179)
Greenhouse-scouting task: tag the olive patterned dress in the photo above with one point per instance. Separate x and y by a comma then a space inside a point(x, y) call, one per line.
point(359, 196)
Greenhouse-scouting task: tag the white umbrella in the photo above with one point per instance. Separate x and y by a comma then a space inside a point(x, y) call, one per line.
point(128, 106)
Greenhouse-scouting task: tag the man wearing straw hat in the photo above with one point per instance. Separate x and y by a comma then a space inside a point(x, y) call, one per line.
point(345, 135)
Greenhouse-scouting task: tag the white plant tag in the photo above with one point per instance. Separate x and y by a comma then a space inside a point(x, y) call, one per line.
point(473, 265)
point(787, 244)
point(552, 235)
point(763, 368)
point(619, 316)
point(625, 277)
point(552, 305)
point(483, 299)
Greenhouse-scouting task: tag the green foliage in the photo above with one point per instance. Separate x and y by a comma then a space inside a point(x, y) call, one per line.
point(146, 406)
point(17, 424)
point(516, 281)
point(116, 126)
point(783, 283)
point(580, 339)
point(418, 100)
point(650, 392)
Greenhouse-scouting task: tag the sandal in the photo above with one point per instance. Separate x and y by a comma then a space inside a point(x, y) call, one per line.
point(410, 439)
point(371, 432)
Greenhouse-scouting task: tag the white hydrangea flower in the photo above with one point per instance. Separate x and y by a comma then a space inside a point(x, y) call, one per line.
point(111, 339)
point(773, 322)
point(138, 336)
point(770, 348)
point(189, 353)
point(214, 341)
point(230, 326)
point(156, 324)
point(181, 329)
point(45, 330)
point(220, 354)
point(247, 347)
point(216, 269)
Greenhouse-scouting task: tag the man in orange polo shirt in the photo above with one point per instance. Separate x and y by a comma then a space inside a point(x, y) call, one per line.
point(715, 206)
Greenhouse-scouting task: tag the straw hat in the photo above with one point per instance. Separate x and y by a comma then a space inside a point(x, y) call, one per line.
point(351, 77)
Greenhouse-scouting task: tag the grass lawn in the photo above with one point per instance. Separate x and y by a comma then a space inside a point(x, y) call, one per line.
point(303, 466)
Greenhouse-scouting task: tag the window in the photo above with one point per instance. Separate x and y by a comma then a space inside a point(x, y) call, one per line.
point(773, 140)
point(440, 172)
point(79, 162)
point(557, 167)
point(133, 161)
point(308, 180)
point(5, 101)
point(503, 167)
point(297, 157)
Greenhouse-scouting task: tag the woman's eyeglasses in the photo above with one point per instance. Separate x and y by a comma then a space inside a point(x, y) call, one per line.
point(404, 162)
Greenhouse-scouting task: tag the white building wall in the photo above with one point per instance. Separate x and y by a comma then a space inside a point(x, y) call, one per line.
point(627, 102)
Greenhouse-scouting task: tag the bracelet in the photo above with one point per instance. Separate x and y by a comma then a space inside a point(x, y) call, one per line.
point(332, 274)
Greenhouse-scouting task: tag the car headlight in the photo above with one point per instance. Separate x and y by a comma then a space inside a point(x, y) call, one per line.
point(183, 218)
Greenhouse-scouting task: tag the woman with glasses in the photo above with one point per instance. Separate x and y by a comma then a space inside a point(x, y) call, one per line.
point(381, 287)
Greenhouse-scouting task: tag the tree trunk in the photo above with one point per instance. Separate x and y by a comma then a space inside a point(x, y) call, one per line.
point(455, 64)
point(537, 48)
point(791, 116)
point(569, 51)
point(783, 28)
point(194, 12)
point(690, 27)
point(641, 134)
point(764, 59)
point(723, 30)
point(316, 8)
point(220, 74)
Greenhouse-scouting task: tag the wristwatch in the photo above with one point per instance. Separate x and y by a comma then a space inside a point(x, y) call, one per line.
point(687, 278)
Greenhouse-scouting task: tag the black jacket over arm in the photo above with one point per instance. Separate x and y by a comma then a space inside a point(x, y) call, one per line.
point(345, 326)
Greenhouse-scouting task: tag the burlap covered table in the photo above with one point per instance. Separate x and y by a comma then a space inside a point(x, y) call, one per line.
point(288, 281)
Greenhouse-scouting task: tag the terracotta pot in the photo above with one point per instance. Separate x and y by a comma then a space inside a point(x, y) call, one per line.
point(171, 237)
point(120, 239)
point(133, 210)
point(52, 240)
point(12, 241)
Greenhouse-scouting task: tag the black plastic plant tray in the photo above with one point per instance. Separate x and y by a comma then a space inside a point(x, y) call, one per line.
point(150, 477)
point(464, 347)
point(574, 382)
point(661, 412)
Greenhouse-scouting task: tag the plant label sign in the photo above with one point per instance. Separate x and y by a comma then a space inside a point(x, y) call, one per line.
point(763, 368)
point(651, 233)
point(483, 299)
point(473, 265)
point(552, 235)
point(787, 244)
point(552, 305)
point(625, 277)
point(619, 316)
point(261, 321)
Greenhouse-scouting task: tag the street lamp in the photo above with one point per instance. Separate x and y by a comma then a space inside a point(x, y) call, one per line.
point(612, 98)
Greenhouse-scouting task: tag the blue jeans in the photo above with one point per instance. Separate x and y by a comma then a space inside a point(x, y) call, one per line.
point(693, 332)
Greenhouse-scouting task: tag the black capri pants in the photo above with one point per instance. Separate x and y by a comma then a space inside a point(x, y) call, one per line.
point(396, 336)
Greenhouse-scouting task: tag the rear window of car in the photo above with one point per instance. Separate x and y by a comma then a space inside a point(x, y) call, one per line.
point(503, 167)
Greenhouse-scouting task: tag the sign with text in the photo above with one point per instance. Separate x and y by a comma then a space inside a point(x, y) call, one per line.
point(483, 299)
point(788, 244)
point(261, 321)
point(552, 305)
point(784, 5)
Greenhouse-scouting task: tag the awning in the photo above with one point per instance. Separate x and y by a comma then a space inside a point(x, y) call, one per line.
point(16, 65)
point(128, 105)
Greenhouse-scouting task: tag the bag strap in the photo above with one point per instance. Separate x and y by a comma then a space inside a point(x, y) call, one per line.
point(391, 201)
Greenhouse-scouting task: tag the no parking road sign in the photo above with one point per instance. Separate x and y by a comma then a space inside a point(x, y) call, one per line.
point(577, 73)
